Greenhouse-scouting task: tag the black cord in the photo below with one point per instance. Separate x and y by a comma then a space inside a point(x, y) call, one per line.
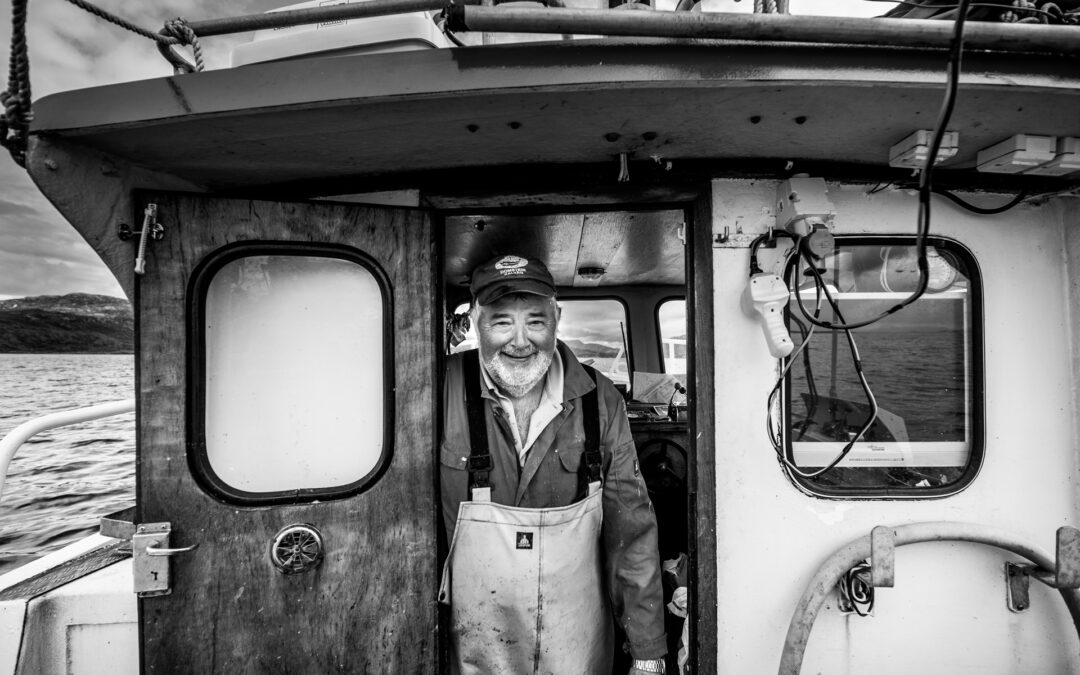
point(993, 5)
point(820, 287)
point(925, 184)
point(857, 590)
point(979, 209)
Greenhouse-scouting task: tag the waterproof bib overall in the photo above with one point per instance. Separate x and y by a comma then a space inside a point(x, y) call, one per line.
point(525, 586)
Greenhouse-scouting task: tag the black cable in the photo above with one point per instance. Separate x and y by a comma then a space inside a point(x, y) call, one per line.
point(925, 183)
point(993, 5)
point(980, 209)
point(820, 287)
point(759, 240)
point(857, 590)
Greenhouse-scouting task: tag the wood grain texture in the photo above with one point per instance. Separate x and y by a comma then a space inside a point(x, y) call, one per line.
point(702, 471)
point(370, 606)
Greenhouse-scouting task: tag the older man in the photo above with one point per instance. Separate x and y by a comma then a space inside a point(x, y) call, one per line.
point(550, 523)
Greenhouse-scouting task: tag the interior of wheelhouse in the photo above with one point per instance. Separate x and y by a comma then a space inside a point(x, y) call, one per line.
point(621, 279)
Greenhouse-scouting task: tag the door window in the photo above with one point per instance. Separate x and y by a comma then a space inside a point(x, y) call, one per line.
point(294, 378)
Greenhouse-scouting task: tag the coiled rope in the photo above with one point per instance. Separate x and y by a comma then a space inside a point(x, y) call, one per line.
point(17, 115)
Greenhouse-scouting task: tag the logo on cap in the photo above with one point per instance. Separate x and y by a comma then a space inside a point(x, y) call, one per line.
point(511, 262)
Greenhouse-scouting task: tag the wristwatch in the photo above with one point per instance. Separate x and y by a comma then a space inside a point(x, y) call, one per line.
point(649, 665)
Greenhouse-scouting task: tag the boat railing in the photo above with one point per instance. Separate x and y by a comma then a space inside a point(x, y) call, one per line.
point(27, 430)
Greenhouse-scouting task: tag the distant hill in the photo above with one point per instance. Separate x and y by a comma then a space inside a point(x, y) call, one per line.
point(591, 349)
point(67, 324)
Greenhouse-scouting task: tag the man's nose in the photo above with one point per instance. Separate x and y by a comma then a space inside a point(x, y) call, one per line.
point(519, 340)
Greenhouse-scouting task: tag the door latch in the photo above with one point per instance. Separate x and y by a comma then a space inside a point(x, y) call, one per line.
point(150, 558)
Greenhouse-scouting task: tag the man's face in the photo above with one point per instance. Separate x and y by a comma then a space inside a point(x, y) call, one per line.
point(517, 340)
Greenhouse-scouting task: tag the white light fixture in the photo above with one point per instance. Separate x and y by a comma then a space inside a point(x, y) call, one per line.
point(1018, 154)
point(911, 153)
point(1065, 161)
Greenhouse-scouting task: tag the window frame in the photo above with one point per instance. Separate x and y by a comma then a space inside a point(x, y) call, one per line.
point(975, 366)
point(198, 288)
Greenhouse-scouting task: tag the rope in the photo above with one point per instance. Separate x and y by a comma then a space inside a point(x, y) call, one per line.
point(176, 31)
point(179, 30)
point(123, 23)
point(15, 120)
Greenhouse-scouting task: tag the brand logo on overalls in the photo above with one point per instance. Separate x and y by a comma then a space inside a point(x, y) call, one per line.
point(524, 540)
point(511, 265)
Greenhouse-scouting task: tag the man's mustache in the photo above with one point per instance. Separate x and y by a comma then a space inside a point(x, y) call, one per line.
point(521, 354)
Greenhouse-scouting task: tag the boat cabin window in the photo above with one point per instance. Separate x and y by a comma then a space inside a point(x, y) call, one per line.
point(671, 317)
point(922, 365)
point(595, 329)
point(293, 396)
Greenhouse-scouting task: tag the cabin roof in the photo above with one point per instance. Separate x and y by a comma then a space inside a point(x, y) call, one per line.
point(320, 125)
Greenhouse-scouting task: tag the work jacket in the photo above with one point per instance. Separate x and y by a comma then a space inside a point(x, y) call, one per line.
point(549, 478)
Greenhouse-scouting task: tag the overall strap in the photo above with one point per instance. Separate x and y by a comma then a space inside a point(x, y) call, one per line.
point(591, 459)
point(480, 463)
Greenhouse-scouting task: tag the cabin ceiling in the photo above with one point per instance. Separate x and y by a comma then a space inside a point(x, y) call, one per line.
point(633, 247)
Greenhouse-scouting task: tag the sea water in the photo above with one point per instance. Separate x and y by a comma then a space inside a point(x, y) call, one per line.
point(63, 480)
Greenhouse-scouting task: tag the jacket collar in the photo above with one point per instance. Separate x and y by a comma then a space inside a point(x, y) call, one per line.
point(576, 382)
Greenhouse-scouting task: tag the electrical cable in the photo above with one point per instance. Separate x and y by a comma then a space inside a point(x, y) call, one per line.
point(857, 590)
point(925, 182)
point(774, 427)
point(952, 5)
point(981, 209)
point(800, 252)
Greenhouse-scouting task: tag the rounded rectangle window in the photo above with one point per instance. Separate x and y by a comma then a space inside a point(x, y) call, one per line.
point(922, 367)
point(292, 382)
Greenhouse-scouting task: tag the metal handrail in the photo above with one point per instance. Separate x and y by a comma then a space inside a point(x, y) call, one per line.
point(25, 431)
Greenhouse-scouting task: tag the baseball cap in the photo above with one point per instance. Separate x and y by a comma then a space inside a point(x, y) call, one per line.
point(506, 274)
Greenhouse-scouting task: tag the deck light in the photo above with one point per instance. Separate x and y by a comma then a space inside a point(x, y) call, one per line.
point(591, 273)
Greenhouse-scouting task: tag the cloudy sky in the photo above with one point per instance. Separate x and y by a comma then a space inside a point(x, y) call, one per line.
point(40, 254)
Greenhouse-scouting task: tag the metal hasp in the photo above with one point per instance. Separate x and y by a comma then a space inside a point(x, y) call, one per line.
point(1066, 572)
point(151, 229)
point(150, 558)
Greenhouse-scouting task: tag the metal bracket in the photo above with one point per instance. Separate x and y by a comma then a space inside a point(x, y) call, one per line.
point(124, 231)
point(1066, 572)
point(883, 557)
point(1067, 564)
point(1016, 587)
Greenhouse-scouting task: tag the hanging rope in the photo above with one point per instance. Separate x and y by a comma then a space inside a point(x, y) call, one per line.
point(15, 120)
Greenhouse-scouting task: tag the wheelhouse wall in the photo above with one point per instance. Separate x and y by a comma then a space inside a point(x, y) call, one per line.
point(772, 536)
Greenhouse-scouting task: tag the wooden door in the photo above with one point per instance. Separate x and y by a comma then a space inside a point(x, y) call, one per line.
point(369, 604)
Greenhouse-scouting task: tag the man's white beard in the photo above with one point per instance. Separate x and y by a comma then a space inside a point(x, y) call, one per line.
point(515, 382)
